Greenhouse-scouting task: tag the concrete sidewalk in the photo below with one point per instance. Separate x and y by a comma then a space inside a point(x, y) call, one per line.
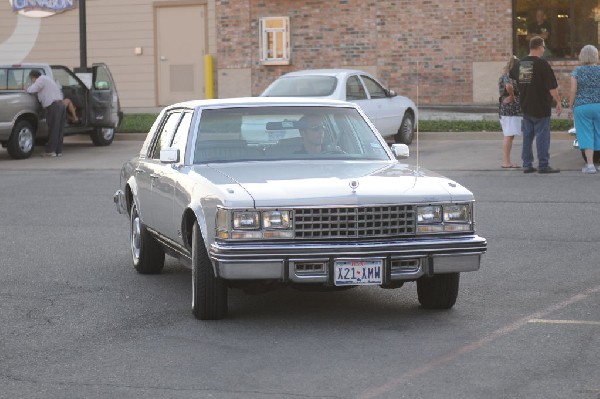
point(482, 151)
point(487, 112)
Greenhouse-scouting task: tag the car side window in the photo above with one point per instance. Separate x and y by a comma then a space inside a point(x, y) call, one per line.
point(15, 79)
point(3, 79)
point(374, 88)
point(102, 79)
point(355, 89)
point(165, 135)
point(65, 78)
point(181, 135)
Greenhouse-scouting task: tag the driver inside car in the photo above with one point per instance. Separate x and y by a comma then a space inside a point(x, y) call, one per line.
point(313, 132)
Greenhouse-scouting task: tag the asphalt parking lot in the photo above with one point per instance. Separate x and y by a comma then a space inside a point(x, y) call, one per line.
point(76, 321)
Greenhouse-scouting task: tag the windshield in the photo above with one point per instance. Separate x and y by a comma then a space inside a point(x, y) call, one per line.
point(285, 132)
point(302, 86)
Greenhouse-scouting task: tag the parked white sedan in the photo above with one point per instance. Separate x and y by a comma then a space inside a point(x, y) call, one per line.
point(393, 115)
point(255, 193)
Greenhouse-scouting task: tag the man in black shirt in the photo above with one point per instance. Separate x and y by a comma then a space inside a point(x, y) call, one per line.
point(540, 27)
point(538, 87)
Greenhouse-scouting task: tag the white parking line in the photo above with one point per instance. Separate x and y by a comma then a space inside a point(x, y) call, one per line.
point(442, 360)
point(586, 322)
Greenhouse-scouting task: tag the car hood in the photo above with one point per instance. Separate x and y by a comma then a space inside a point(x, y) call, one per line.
point(296, 183)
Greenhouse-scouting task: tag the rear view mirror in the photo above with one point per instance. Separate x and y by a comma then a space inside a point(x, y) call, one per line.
point(400, 151)
point(282, 125)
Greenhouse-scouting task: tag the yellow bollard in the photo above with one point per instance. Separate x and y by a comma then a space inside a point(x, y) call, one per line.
point(209, 81)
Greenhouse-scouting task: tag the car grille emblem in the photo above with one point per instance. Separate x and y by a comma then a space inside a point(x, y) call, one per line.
point(353, 185)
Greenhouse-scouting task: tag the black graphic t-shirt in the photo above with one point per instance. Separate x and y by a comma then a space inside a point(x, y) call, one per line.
point(536, 79)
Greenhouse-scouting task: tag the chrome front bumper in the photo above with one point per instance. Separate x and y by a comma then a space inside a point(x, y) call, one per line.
point(313, 262)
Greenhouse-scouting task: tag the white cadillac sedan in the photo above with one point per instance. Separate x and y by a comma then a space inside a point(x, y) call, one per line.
point(255, 193)
point(394, 116)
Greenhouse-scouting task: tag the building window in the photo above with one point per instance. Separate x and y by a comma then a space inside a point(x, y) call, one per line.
point(568, 24)
point(275, 41)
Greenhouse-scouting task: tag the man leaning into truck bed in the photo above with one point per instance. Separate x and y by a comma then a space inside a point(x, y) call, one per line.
point(50, 96)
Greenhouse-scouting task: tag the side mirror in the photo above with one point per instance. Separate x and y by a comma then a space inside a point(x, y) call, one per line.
point(102, 85)
point(169, 155)
point(390, 93)
point(400, 151)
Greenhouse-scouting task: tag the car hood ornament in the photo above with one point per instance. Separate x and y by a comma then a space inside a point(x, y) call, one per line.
point(353, 185)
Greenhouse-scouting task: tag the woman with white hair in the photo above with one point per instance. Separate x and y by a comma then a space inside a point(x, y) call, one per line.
point(585, 102)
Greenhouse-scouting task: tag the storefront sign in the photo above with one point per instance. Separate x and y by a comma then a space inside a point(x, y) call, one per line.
point(41, 8)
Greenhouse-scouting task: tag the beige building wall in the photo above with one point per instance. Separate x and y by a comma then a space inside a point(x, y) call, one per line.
point(115, 28)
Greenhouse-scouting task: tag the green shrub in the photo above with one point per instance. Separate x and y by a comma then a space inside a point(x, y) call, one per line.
point(481, 126)
point(136, 123)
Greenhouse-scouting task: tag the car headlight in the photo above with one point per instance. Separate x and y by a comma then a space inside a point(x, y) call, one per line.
point(429, 214)
point(445, 218)
point(246, 220)
point(429, 219)
point(458, 217)
point(276, 219)
point(253, 224)
point(457, 213)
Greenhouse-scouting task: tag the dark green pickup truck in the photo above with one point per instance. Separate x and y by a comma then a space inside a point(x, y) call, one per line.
point(22, 119)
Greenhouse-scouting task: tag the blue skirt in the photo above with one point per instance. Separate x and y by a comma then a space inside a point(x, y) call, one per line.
point(587, 123)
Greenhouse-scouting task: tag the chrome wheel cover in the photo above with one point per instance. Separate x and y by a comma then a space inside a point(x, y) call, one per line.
point(25, 140)
point(136, 237)
point(108, 133)
point(407, 128)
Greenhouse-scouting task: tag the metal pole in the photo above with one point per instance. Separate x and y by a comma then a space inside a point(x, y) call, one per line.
point(209, 80)
point(82, 37)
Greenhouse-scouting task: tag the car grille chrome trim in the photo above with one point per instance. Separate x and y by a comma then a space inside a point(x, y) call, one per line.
point(355, 222)
point(310, 268)
point(405, 265)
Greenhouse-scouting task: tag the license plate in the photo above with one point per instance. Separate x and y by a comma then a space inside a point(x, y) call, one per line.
point(358, 272)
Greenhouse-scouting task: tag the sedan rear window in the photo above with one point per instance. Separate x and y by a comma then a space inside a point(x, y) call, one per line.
point(302, 86)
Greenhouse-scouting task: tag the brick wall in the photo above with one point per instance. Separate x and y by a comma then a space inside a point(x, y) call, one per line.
point(562, 71)
point(432, 42)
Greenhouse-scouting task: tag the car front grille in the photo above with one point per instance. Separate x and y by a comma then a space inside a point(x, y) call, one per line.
point(354, 222)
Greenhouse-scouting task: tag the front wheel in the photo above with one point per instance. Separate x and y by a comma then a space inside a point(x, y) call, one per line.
point(148, 257)
point(103, 136)
point(439, 291)
point(209, 292)
point(406, 131)
point(22, 140)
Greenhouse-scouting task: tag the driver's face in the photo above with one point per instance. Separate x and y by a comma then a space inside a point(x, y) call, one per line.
point(314, 133)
